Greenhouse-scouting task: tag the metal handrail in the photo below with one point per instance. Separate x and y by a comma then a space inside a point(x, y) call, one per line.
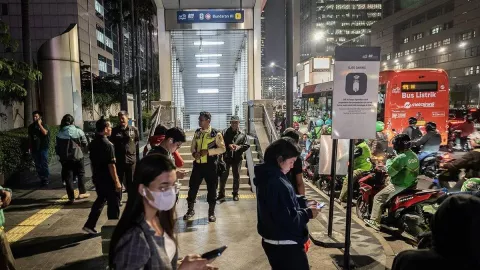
point(270, 127)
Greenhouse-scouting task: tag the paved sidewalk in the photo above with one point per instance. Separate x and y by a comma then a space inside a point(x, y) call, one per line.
point(368, 249)
point(53, 239)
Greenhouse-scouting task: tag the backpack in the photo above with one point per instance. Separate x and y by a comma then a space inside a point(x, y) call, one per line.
point(68, 150)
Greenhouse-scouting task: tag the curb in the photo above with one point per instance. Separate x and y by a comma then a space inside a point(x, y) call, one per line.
point(386, 247)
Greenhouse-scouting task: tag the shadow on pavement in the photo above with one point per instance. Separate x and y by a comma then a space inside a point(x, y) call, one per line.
point(39, 245)
point(100, 262)
point(360, 261)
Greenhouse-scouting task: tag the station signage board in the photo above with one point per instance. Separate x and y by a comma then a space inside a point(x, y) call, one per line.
point(355, 92)
point(211, 16)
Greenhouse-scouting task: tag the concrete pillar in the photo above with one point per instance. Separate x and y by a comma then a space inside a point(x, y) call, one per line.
point(255, 54)
point(165, 58)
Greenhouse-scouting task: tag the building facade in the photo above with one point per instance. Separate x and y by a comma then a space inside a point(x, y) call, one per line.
point(50, 18)
point(274, 87)
point(434, 34)
point(329, 23)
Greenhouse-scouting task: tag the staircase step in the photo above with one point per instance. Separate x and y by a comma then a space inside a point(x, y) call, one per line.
point(185, 148)
point(189, 163)
point(243, 180)
point(188, 172)
point(243, 187)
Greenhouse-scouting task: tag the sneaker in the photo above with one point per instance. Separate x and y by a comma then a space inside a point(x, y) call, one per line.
point(212, 218)
point(236, 198)
point(190, 213)
point(373, 224)
point(89, 230)
point(84, 195)
point(221, 197)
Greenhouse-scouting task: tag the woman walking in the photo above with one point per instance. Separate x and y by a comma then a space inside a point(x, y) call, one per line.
point(144, 238)
point(282, 216)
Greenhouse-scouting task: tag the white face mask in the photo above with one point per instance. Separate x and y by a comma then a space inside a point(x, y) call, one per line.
point(163, 201)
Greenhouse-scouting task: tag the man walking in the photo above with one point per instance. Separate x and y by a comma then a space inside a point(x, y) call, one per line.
point(207, 145)
point(236, 144)
point(125, 139)
point(39, 140)
point(104, 176)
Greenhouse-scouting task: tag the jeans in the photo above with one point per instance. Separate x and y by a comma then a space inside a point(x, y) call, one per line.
point(199, 172)
point(286, 257)
point(6, 258)
point(105, 194)
point(70, 170)
point(236, 177)
point(40, 158)
point(344, 193)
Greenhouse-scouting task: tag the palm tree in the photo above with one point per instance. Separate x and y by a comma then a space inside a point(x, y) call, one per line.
point(27, 58)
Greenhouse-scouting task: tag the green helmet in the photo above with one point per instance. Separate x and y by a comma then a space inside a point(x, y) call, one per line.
point(328, 131)
point(380, 126)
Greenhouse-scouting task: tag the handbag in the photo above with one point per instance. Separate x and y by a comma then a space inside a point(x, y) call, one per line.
point(221, 166)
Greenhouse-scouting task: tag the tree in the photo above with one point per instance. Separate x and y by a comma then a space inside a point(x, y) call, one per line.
point(13, 73)
point(27, 58)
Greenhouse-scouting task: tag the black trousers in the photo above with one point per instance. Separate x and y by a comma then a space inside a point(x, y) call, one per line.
point(105, 194)
point(286, 257)
point(199, 172)
point(125, 174)
point(70, 170)
point(236, 166)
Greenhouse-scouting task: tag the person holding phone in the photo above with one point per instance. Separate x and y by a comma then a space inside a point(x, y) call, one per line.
point(144, 237)
point(282, 215)
point(39, 140)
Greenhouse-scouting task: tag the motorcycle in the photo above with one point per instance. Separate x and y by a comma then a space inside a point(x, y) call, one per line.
point(310, 164)
point(404, 210)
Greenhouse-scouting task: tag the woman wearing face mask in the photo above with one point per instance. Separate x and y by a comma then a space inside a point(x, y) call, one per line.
point(143, 238)
point(282, 215)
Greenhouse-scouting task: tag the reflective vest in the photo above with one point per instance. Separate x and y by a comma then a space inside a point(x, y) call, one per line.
point(205, 141)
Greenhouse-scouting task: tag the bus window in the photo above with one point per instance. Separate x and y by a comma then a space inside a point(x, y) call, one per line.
point(419, 86)
point(381, 102)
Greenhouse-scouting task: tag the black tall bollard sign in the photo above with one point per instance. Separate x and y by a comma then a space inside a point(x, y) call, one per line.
point(354, 112)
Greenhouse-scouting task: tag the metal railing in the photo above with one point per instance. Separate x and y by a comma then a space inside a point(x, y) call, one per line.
point(269, 126)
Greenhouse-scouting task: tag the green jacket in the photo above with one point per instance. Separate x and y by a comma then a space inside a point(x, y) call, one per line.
point(2, 217)
point(362, 156)
point(403, 169)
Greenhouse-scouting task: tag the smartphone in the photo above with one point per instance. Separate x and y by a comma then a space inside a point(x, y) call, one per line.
point(214, 253)
point(320, 205)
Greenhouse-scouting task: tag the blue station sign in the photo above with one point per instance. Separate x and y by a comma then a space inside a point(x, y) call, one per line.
point(211, 16)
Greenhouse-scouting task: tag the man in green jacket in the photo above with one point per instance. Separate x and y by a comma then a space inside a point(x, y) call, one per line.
point(402, 171)
point(6, 257)
point(361, 164)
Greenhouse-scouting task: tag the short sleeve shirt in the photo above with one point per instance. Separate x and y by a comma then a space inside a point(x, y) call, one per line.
point(102, 153)
point(39, 141)
point(292, 174)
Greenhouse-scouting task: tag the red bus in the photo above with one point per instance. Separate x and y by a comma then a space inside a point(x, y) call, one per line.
point(419, 93)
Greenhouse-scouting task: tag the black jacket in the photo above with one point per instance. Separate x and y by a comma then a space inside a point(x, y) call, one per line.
point(238, 138)
point(282, 215)
point(125, 141)
point(430, 142)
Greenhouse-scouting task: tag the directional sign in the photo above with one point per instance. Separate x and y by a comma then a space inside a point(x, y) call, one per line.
point(211, 16)
point(355, 92)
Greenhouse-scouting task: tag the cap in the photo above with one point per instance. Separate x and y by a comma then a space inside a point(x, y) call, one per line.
point(234, 118)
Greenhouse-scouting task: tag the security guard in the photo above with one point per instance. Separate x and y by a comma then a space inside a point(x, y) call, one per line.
point(125, 139)
point(206, 147)
point(236, 144)
point(104, 176)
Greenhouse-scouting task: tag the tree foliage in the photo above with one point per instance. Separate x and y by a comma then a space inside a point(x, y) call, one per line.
point(12, 72)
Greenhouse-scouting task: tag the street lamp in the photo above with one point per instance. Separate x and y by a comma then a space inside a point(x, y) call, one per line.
point(273, 65)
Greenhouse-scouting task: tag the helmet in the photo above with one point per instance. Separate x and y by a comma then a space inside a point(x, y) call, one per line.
point(401, 142)
point(319, 123)
point(431, 126)
point(412, 121)
point(328, 122)
point(328, 130)
point(380, 126)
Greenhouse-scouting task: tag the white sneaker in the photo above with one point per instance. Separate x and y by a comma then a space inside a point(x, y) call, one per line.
point(84, 195)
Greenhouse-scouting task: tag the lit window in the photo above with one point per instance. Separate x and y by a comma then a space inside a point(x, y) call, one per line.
point(436, 29)
point(437, 44)
point(417, 36)
point(421, 48)
point(446, 41)
point(389, 56)
point(428, 46)
point(407, 52)
point(414, 50)
point(405, 40)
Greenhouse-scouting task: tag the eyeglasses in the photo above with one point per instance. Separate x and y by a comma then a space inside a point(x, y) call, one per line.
point(175, 187)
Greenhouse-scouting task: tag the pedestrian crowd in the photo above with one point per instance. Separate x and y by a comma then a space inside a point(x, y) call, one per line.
point(144, 237)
